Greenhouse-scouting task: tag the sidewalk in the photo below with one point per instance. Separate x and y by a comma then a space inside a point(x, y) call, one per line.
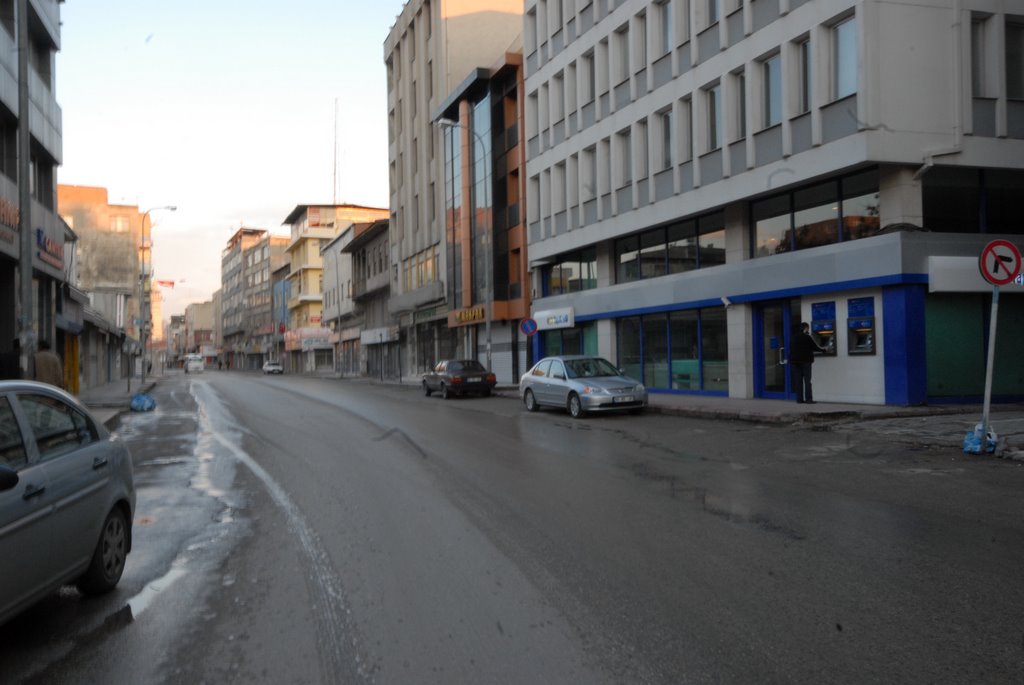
point(932, 426)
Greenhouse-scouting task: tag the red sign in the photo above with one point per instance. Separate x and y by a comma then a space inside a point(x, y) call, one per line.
point(1000, 262)
point(528, 327)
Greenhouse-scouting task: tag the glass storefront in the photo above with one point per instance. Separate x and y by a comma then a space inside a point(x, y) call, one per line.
point(682, 350)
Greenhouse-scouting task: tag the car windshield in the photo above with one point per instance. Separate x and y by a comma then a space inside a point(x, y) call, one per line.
point(589, 368)
point(470, 365)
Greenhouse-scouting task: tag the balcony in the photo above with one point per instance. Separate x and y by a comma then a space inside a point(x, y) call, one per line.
point(361, 289)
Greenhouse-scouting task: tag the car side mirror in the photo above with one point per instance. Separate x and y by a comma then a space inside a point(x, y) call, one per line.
point(8, 478)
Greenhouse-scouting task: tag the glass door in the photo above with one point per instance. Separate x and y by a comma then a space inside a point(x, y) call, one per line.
point(773, 324)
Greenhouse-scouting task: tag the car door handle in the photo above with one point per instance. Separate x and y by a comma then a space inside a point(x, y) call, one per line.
point(32, 491)
point(99, 462)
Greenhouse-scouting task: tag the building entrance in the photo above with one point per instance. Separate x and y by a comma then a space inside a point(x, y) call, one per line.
point(773, 325)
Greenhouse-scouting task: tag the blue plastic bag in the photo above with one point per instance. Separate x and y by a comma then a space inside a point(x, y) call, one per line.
point(142, 402)
point(972, 441)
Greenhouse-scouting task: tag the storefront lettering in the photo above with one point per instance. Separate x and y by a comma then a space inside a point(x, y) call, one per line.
point(50, 251)
point(10, 215)
point(471, 314)
point(558, 320)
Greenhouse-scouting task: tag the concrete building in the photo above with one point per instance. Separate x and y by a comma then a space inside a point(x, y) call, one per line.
point(430, 49)
point(199, 331)
point(47, 231)
point(259, 261)
point(233, 294)
point(281, 294)
point(308, 340)
point(485, 244)
point(703, 176)
point(358, 286)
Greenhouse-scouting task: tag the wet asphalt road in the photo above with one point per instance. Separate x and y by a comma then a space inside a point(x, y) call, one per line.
point(295, 530)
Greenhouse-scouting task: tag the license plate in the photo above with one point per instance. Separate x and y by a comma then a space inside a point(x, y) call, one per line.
point(623, 398)
point(473, 379)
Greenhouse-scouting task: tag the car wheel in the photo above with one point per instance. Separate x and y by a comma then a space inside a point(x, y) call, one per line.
point(530, 401)
point(445, 393)
point(108, 559)
point(426, 389)
point(575, 406)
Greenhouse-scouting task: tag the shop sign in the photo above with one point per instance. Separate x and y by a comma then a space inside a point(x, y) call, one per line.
point(471, 314)
point(10, 216)
point(50, 251)
point(555, 318)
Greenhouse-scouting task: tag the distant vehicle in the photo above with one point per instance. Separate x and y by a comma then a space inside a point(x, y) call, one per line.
point(67, 497)
point(273, 367)
point(453, 377)
point(194, 362)
point(580, 384)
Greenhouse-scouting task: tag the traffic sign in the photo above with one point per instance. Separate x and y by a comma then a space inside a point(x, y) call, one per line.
point(1000, 262)
point(528, 327)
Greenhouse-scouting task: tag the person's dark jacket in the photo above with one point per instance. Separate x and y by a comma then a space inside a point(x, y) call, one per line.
point(802, 348)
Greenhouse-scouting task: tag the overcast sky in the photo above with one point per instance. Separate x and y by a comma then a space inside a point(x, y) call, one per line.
point(226, 109)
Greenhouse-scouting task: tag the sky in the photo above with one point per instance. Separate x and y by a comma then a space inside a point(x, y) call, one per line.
point(228, 110)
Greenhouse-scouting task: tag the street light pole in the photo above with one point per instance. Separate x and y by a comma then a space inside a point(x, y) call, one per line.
point(446, 123)
point(143, 309)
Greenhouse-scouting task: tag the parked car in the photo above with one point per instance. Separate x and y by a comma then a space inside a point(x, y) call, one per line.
point(453, 377)
point(273, 367)
point(67, 498)
point(580, 384)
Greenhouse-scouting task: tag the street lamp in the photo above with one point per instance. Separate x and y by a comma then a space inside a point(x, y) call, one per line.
point(446, 123)
point(143, 309)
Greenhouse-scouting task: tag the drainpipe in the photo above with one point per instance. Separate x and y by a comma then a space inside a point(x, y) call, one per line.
point(958, 89)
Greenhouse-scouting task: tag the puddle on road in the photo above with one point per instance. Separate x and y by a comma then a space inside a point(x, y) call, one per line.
point(153, 589)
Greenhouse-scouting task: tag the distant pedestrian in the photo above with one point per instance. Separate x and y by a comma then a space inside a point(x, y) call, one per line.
point(49, 367)
point(801, 358)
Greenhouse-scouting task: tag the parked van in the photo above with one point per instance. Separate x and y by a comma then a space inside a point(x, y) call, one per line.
point(194, 362)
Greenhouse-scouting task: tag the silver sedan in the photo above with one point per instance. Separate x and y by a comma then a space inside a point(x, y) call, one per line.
point(67, 497)
point(580, 384)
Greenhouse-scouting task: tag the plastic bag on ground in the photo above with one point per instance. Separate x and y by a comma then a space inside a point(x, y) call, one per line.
point(142, 402)
point(973, 441)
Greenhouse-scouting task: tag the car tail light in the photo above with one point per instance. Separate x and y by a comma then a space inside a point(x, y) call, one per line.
point(456, 380)
point(491, 378)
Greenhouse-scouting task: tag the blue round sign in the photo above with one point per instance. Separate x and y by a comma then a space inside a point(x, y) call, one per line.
point(528, 327)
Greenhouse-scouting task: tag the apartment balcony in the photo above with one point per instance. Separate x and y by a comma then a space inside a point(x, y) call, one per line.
point(363, 289)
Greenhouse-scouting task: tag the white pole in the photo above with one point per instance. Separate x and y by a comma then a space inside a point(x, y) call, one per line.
point(989, 366)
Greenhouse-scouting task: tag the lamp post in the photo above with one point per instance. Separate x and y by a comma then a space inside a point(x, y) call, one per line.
point(446, 123)
point(143, 309)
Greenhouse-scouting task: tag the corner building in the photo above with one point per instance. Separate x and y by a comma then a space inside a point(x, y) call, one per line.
point(704, 175)
point(432, 47)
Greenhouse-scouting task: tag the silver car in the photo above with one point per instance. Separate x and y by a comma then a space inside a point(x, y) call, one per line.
point(67, 497)
point(580, 384)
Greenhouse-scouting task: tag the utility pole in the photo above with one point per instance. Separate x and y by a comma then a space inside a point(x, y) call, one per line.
point(26, 312)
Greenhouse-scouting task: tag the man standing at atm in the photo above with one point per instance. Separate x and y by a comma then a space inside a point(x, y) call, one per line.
point(801, 358)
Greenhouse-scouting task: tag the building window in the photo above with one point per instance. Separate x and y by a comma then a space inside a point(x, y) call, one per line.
point(588, 79)
point(622, 53)
point(666, 125)
point(640, 42)
point(642, 150)
point(978, 61)
point(714, 11)
point(772, 72)
point(572, 273)
point(804, 77)
point(741, 104)
point(625, 145)
point(1015, 61)
point(844, 58)
point(713, 100)
point(666, 30)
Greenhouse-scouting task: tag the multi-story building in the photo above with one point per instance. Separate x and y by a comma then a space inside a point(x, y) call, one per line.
point(47, 231)
point(485, 244)
point(176, 341)
point(281, 294)
point(233, 294)
point(308, 340)
point(703, 176)
point(430, 49)
point(357, 286)
point(199, 331)
point(260, 261)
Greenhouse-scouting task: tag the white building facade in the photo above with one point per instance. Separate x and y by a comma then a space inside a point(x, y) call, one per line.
point(704, 175)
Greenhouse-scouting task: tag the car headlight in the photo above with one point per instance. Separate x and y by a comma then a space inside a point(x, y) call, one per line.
point(594, 390)
point(640, 388)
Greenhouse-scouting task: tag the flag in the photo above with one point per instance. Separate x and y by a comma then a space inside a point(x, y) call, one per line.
point(165, 284)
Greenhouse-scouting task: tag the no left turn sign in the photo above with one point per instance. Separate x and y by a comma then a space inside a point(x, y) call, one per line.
point(1000, 262)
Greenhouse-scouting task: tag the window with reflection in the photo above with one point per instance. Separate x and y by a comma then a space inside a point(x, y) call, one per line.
point(629, 346)
point(822, 214)
point(627, 259)
point(573, 272)
point(684, 335)
point(682, 350)
point(711, 241)
point(655, 351)
point(816, 216)
point(714, 346)
point(682, 247)
point(652, 254)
